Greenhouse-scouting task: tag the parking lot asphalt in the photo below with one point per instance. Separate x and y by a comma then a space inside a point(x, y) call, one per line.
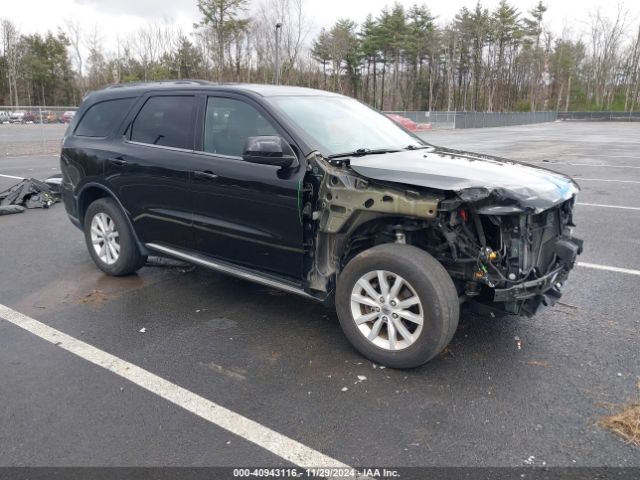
point(30, 139)
point(283, 362)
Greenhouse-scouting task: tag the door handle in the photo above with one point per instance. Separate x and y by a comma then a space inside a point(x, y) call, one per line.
point(118, 161)
point(205, 174)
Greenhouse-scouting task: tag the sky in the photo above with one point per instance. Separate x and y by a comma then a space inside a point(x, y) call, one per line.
point(115, 18)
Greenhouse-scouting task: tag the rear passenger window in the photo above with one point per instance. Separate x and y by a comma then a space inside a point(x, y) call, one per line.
point(103, 117)
point(166, 121)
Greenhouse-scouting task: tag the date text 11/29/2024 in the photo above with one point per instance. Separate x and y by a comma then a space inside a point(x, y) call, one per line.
point(345, 472)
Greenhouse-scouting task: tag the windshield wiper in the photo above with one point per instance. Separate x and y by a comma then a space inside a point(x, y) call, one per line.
point(416, 147)
point(361, 152)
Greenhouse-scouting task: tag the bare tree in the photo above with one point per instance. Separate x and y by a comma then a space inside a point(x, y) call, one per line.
point(74, 34)
point(10, 37)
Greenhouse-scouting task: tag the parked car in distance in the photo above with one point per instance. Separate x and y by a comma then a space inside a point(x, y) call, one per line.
point(4, 117)
point(408, 123)
point(16, 116)
point(67, 116)
point(47, 116)
point(30, 117)
point(321, 196)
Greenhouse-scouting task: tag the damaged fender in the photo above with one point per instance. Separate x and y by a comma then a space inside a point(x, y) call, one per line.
point(499, 185)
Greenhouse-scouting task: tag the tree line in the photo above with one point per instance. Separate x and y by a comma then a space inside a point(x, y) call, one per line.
point(400, 59)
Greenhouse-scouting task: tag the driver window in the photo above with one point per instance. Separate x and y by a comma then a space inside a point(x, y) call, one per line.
point(228, 124)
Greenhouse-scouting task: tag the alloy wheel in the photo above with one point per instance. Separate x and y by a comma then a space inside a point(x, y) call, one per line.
point(387, 310)
point(105, 238)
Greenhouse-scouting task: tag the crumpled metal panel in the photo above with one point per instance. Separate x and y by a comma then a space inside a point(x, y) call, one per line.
point(487, 180)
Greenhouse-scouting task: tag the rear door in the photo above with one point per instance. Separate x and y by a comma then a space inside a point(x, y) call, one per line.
point(244, 212)
point(150, 170)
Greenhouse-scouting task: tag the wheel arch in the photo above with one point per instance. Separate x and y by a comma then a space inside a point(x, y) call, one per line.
point(91, 192)
point(364, 230)
point(363, 234)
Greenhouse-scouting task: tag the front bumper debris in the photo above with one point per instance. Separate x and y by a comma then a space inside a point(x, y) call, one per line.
point(527, 297)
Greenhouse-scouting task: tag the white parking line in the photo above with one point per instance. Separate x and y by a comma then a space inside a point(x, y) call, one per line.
point(11, 176)
point(605, 180)
point(601, 165)
point(278, 444)
point(597, 155)
point(607, 206)
point(608, 268)
point(38, 155)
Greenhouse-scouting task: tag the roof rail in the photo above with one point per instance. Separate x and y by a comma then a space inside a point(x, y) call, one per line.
point(158, 82)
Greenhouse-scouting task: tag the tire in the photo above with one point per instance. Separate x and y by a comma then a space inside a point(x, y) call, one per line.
point(105, 215)
point(423, 277)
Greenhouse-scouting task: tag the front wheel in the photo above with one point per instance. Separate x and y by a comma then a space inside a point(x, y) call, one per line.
point(397, 305)
point(110, 240)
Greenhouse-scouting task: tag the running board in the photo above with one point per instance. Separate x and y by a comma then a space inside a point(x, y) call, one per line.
point(240, 272)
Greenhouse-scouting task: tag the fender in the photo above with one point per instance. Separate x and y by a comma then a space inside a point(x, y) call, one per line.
point(141, 247)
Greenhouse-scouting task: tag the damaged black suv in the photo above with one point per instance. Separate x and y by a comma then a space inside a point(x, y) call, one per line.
point(317, 194)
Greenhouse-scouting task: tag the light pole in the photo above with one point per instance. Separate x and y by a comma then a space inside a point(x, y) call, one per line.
point(278, 27)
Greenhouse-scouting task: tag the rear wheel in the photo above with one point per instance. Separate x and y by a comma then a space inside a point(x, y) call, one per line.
point(397, 305)
point(110, 240)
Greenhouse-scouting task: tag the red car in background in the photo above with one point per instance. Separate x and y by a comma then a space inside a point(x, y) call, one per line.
point(408, 123)
point(67, 116)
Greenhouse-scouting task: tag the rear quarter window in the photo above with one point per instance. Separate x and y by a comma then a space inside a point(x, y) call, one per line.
point(103, 117)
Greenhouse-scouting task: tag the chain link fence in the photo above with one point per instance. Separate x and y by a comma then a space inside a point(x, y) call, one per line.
point(601, 116)
point(33, 130)
point(436, 119)
point(476, 119)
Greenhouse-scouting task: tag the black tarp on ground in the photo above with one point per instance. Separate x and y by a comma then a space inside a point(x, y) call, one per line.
point(29, 193)
point(11, 209)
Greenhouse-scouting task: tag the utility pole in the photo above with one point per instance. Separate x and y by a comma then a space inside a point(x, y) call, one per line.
point(278, 27)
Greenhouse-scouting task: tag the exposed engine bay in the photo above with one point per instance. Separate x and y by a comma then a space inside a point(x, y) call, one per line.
point(499, 253)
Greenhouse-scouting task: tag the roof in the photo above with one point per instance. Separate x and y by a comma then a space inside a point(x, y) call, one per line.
point(138, 88)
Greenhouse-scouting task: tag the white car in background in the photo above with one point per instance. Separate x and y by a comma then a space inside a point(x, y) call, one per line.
point(4, 116)
point(16, 117)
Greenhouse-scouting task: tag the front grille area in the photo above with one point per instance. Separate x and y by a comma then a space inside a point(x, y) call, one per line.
point(540, 255)
point(545, 229)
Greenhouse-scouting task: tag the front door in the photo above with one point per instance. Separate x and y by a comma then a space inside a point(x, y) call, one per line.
point(243, 212)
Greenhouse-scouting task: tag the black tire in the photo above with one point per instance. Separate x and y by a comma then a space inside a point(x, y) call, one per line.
point(433, 286)
point(129, 260)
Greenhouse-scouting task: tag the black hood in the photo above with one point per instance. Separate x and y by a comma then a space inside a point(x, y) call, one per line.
point(497, 184)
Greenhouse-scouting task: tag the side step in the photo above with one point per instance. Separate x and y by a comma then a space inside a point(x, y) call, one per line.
point(236, 271)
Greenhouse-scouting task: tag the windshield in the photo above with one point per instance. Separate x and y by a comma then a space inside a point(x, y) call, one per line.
point(341, 125)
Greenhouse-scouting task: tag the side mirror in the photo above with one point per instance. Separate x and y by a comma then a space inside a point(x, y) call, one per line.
point(269, 150)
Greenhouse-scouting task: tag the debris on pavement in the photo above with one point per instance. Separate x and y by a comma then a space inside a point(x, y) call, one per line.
point(143, 330)
point(344, 389)
point(55, 184)
point(568, 305)
point(518, 342)
point(95, 297)
point(361, 378)
point(29, 193)
point(625, 424)
point(165, 262)
point(11, 209)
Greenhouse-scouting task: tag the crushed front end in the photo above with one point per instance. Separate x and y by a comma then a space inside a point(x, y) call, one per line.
point(513, 261)
point(509, 247)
